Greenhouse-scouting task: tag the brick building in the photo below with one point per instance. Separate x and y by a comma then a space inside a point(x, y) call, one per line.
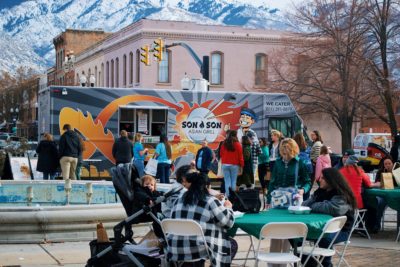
point(67, 44)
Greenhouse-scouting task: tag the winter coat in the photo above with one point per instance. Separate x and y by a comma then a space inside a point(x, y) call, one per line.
point(232, 157)
point(206, 159)
point(323, 162)
point(330, 202)
point(70, 145)
point(284, 176)
point(356, 181)
point(122, 150)
point(47, 156)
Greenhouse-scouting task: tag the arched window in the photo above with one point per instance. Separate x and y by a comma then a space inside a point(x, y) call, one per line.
point(95, 76)
point(303, 69)
point(261, 75)
point(117, 72)
point(112, 72)
point(130, 68)
point(108, 74)
point(164, 68)
point(137, 78)
point(124, 71)
point(101, 83)
point(216, 68)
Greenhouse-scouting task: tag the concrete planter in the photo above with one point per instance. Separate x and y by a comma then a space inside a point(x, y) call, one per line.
point(56, 224)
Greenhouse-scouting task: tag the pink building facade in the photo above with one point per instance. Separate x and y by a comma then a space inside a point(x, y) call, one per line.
point(239, 60)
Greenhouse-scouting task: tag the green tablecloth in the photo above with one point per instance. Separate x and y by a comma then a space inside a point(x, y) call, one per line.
point(252, 223)
point(392, 197)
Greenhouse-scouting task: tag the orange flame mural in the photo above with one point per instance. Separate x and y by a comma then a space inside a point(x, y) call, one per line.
point(93, 133)
point(96, 138)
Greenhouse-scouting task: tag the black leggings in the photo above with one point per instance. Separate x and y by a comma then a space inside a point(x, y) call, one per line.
point(262, 171)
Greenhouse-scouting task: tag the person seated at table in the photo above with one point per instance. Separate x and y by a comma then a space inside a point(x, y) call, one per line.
point(357, 179)
point(215, 219)
point(284, 172)
point(375, 211)
point(334, 197)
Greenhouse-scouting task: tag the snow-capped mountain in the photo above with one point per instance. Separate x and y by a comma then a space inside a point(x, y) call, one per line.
point(27, 28)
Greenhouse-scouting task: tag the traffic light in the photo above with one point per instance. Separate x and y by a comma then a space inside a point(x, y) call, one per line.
point(145, 55)
point(158, 49)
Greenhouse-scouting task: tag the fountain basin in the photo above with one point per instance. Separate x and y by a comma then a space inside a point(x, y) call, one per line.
point(48, 219)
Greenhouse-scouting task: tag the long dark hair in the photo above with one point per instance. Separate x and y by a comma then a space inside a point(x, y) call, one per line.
point(301, 142)
point(164, 139)
point(197, 190)
point(338, 183)
point(382, 163)
point(318, 135)
point(231, 138)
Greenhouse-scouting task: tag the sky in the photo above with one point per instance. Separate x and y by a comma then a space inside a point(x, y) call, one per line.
point(281, 4)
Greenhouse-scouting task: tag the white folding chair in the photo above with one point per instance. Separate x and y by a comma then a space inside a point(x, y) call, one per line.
point(346, 243)
point(240, 232)
point(398, 235)
point(333, 226)
point(184, 227)
point(281, 231)
point(360, 222)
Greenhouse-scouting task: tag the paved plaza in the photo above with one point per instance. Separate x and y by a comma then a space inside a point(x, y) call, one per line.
point(381, 250)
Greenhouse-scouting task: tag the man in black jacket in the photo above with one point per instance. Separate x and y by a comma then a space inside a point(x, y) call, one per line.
point(122, 149)
point(69, 148)
point(204, 158)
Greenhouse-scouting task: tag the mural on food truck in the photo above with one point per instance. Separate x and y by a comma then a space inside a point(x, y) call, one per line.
point(193, 123)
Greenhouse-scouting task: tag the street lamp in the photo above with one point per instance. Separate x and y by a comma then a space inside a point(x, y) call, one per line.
point(14, 115)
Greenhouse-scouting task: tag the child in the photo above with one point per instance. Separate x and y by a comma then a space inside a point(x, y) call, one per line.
point(323, 162)
point(148, 182)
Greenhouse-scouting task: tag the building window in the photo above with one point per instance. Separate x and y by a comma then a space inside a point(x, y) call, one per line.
point(164, 68)
point(137, 79)
point(303, 65)
point(261, 69)
point(117, 72)
point(95, 76)
point(101, 83)
point(130, 68)
point(108, 74)
point(112, 72)
point(124, 72)
point(216, 68)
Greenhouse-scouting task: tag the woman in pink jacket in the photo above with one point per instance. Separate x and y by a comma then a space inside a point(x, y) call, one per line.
point(323, 162)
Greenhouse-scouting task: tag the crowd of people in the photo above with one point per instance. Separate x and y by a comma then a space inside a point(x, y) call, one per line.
point(281, 163)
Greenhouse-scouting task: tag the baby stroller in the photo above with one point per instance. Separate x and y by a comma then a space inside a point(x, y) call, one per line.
point(123, 250)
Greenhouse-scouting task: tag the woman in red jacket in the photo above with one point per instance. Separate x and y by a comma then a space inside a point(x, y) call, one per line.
point(356, 179)
point(232, 160)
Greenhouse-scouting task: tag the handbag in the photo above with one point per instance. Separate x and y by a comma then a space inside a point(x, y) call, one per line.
point(151, 167)
point(396, 173)
point(283, 197)
point(245, 200)
point(387, 180)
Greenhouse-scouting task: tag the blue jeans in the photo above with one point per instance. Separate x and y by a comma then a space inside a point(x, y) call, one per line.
point(163, 172)
point(230, 176)
point(139, 164)
point(47, 175)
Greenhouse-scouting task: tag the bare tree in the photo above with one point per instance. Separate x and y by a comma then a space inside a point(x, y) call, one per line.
point(325, 68)
point(383, 34)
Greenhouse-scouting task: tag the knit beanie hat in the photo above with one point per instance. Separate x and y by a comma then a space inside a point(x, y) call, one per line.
point(352, 160)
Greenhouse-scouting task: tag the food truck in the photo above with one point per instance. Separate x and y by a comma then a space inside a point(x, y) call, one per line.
point(186, 117)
